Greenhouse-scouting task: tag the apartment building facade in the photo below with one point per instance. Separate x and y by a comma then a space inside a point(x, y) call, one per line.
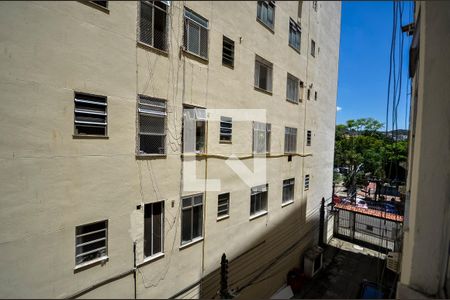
point(95, 139)
point(425, 262)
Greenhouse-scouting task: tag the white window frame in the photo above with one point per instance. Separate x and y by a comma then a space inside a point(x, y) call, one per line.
point(263, 63)
point(290, 140)
point(101, 111)
point(166, 31)
point(259, 193)
point(103, 255)
point(157, 109)
point(295, 83)
point(153, 254)
point(288, 184)
point(265, 129)
point(223, 209)
point(191, 207)
point(191, 18)
point(223, 130)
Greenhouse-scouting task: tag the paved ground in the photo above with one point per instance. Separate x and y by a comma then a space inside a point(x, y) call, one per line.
point(345, 267)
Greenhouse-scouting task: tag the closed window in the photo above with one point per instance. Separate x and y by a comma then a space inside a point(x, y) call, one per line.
point(315, 95)
point(290, 140)
point(306, 182)
point(258, 199)
point(153, 228)
point(194, 130)
point(288, 190)
point(195, 34)
point(263, 74)
point(226, 129)
point(90, 115)
point(313, 48)
point(153, 24)
point(266, 13)
point(308, 138)
point(152, 115)
point(191, 218)
point(261, 137)
point(223, 205)
point(91, 242)
point(294, 35)
point(292, 88)
point(228, 52)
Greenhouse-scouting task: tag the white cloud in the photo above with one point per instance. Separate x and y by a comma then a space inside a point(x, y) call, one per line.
point(338, 108)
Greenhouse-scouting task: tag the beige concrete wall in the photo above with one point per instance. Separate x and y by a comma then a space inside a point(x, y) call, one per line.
point(51, 182)
point(426, 238)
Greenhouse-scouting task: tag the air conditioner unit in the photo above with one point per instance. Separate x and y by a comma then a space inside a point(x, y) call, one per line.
point(313, 261)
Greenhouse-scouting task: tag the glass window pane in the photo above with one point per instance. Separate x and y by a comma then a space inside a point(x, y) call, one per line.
point(148, 230)
point(157, 227)
point(186, 225)
point(197, 221)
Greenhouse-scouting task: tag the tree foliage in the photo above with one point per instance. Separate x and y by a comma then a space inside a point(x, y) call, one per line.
point(360, 142)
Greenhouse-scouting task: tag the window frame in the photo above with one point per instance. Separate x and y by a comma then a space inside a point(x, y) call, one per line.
point(189, 17)
point(261, 62)
point(296, 83)
point(267, 134)
point(227, 212)
point(294, 27)
point(225, 120)
point(76, 110)
point(102, 257)
point(263, 199)
point(269, 4)
point(308, 137)
point(288, 184)
point(166, 33)
point(155, 114)
point(154, 254)
point(290, 140)
point(231, 49)
point(193, 238)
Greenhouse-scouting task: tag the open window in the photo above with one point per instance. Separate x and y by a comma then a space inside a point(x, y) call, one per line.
point(194, 130)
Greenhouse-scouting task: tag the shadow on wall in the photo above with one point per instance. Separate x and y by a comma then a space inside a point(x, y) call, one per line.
point(261, 269)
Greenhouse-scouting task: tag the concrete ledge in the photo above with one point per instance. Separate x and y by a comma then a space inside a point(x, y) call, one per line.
point(406, 292)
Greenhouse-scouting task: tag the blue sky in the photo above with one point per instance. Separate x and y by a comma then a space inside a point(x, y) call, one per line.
point(366, 32)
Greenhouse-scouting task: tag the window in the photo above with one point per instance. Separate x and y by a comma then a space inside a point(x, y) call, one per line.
point(266, 13)
point(263, 74)
point(302, 90)
point(91, 242)
point(313, 48)
point(195, 34)
point(226, 129)
point(288, 190)
point(309, 94)
point(292, 88)
point(228, 52)
point(294, 35)
point(308, 138)
point(306, 182)
point(314, 4)
point(223, 205)
point(90, 115)
point(261, 137)
point(152, 125)
point(290, 140)
point(101, 3)
point(315, 95)
point(194, 130)
point(153, 24)
point(258, 199)
point(191, 218)
point(153, 228)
